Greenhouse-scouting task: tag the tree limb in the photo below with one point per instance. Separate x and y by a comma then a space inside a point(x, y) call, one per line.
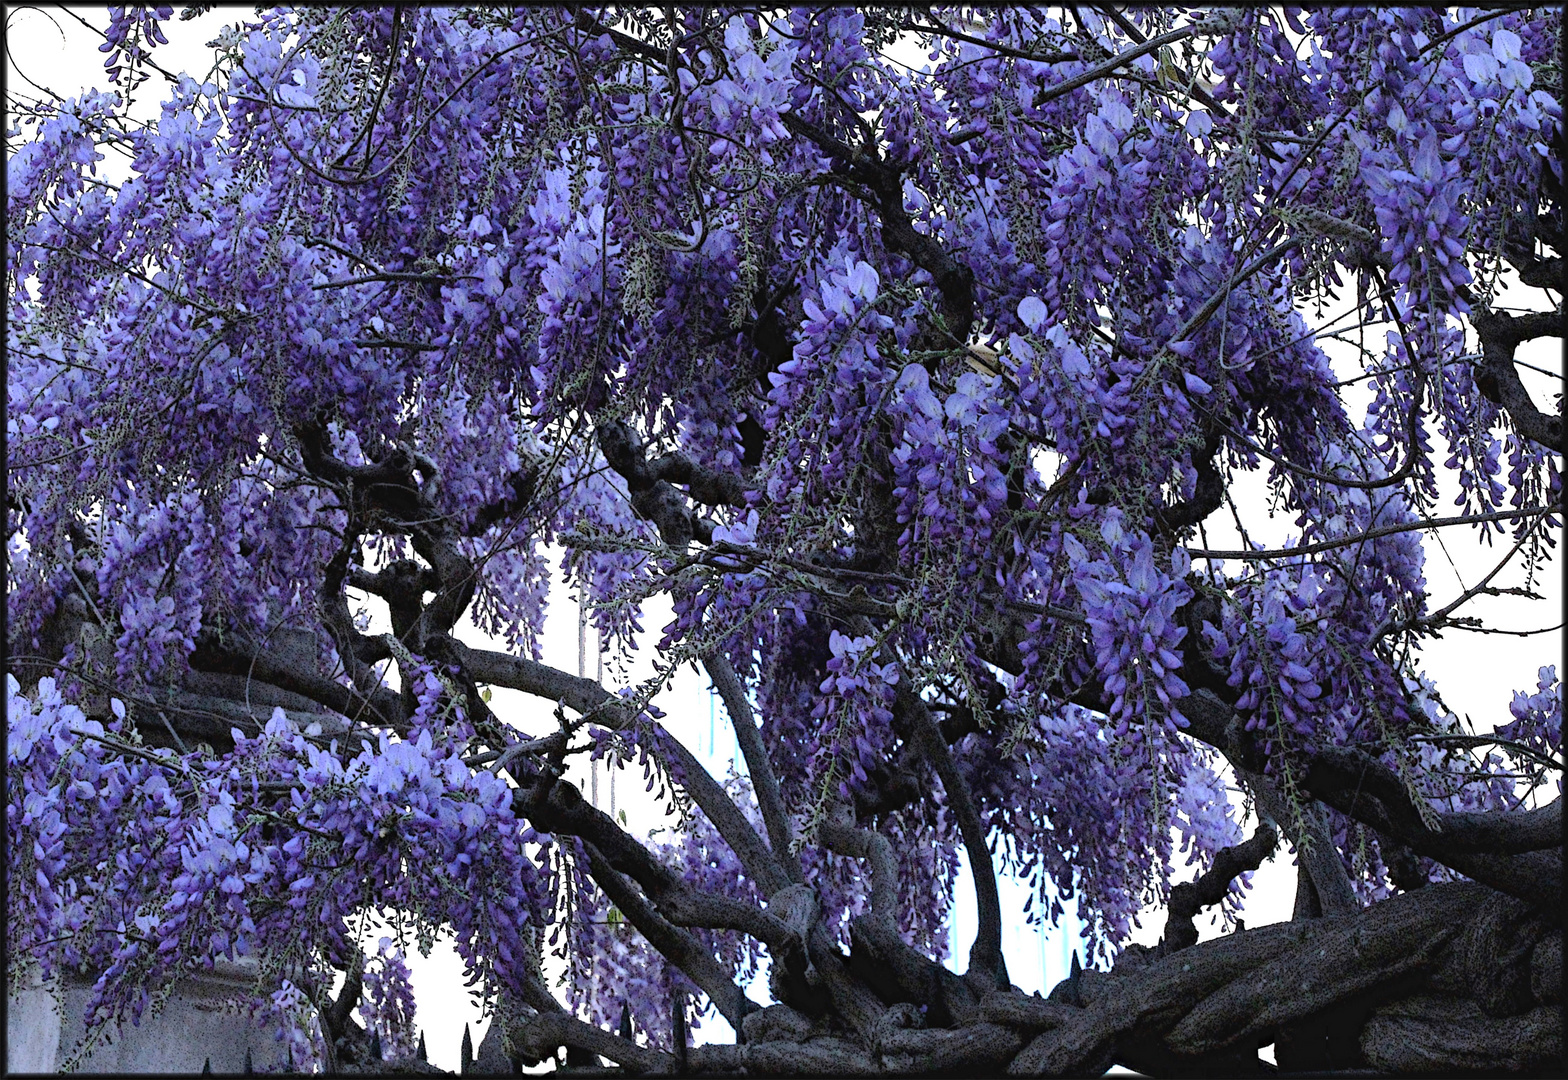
point(381, 708)
point(1498, 378)
point(1344, 779)
point(387, 489)
point(1334, 959)
point(985, 955)
point(592, 700)
point(654, 498)
point(543, 1033)
point(674, 944)
point(954, 280)
point(1314, 847)
point(563, 810)
point(838, 834)
point(1120, 60)
point(897, 972)
point(1188, 899)
point(763, 781)
point(1498, 832)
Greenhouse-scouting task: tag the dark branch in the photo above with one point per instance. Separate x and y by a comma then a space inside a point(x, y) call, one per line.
point(592, 700)
point(1498, 378)
point(1309, 835)
point(558, 807)
point(1336, 770)
point(707, 485)
point(1362, 788)
point(654, 498)
point(1234, 992)
point(1208, 494)
point(1120, 60)
point(775, 816)
point(675, 944)
point(1188, 899)
point(388, 491)
point(381, 708)
point(755, 856)
point(540, 1035)
point(954, 280)
point(881, 958)
point(985, 955)
point(838, 834)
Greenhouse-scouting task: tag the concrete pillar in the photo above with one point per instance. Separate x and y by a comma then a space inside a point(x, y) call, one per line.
point(202, 1019)
point(32, 1025)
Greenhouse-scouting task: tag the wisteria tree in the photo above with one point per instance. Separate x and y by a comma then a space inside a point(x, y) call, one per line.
point(919, 394)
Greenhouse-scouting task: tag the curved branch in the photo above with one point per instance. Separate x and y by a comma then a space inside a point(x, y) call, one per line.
point(1363, 788)
point(654, 498)
point(595, 702)
point(985, 955)
point(1534, 876)
point(355, 651)
point(1208, 493)
point(382, 707)
point(954, 280)
point(763, 781)
point(1189, 898)
point(1336, 770)
point(1310, 837)
point(675, 944)
point(387, 488)
point(838, 834)
point(542, 1034)
point(1498, 379)
point(560, 808)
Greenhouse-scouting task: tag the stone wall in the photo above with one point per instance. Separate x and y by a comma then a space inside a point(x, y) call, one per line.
point(32, 1027)
point(198, 1023)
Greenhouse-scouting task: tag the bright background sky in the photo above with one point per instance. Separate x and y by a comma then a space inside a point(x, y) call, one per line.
point(1476, 673)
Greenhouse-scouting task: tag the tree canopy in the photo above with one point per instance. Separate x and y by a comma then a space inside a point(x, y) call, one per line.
point(917, 392)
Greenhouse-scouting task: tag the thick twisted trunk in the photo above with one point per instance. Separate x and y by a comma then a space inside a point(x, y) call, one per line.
point(1454, 978)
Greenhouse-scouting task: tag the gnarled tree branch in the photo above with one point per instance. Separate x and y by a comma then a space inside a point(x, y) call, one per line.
point(1498, 378)
point(1188, 899)
point(674, 943)
point(763, 781)
point(985, 955)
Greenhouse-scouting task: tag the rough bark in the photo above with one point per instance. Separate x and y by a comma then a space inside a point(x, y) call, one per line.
point(1382, 989)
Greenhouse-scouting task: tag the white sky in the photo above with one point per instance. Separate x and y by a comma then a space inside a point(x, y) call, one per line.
point(1477, 674)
